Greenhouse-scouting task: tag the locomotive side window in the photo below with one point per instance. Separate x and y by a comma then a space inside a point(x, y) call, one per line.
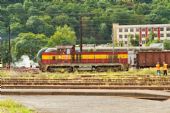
point(68, 51)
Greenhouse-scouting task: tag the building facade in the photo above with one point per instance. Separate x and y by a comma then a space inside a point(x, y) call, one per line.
point(121, 33)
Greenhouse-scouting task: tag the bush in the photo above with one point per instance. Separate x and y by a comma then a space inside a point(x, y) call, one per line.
point(167, 44)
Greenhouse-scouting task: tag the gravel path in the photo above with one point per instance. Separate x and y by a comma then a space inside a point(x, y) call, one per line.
point(91, 104)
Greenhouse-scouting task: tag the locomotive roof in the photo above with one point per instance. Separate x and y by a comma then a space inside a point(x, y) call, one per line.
point(106, 48)
point(62, 46)
point(121, 48)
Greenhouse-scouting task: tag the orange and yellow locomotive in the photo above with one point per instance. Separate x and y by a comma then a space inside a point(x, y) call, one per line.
point(69, 58)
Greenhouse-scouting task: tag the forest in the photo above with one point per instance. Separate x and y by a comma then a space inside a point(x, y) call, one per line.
point(34, 24)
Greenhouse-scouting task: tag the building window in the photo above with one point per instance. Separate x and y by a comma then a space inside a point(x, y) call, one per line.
point(161, 29)
point(126, 36)
point(150, 29)
point(143, 42)
point(137, 29)
point(168, 35)
point(126, 30)
point(143, 29)
point(155, 29)
point(125, 42)
point(120, 30)
point(120, 36)
point(131, 29)
point(121, 43)
point(162, 35)
point(132, 36)
point(143, 35)
point(168, 28)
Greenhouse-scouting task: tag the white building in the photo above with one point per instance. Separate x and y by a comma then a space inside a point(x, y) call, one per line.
point(121, 33)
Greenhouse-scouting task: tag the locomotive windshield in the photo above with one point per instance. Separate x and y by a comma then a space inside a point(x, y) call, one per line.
point(39, 54)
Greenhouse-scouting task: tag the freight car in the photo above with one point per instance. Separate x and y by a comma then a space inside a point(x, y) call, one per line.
point(69, 58)
point(149, 59)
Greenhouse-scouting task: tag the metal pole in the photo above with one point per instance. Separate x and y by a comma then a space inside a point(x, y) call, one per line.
point(81, 34)
point(9, 47)
point(113, 48)
point(81, 41)
point(0, 50)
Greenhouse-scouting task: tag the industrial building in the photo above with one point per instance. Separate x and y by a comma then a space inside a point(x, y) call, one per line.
point(121, 33)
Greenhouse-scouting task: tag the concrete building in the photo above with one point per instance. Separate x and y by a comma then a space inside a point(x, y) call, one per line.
point(121, 33)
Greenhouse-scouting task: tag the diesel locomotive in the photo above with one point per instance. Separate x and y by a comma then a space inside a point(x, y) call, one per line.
point(69, 58)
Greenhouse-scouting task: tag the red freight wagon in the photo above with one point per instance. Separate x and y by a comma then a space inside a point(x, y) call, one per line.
point(149, 59)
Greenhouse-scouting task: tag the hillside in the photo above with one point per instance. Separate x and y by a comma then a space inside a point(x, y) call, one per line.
point(44, 16)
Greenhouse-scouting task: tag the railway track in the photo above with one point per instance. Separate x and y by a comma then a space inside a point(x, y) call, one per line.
point(157, 83)
point(131, 86)
point(142, 87)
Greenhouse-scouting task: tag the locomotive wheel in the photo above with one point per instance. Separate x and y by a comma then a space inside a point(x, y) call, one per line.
point(111, 69)
point(70, 69)
point(43, 69)
point(118, 68)
point(50, 69)
point(60, 70)
point(101, 69)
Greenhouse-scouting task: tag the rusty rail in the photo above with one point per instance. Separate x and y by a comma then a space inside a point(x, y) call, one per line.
point(155, 81)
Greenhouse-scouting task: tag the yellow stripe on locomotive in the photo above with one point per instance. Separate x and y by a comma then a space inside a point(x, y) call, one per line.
point(101, 56)
point(122, 56)
point(57, 57)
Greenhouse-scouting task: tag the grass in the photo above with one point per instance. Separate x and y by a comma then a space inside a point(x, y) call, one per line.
point(45, 75)
point(131, 72)
point(40, 75)
point(10, 106)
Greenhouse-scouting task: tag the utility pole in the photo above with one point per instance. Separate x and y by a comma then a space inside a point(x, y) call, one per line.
point(113, 56)
point(81, 40)
point(81, 34)
point(9, 46)
point(0, 50)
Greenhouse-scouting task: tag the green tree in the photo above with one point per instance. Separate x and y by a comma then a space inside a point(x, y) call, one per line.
point(17, 11)
point(160, 14)
point(28, 44)
point(151, 39)
point(16, 28)
point(27, 4)
point(63, 19)
point(90, 40)
point(33, 11)
point(40, 24)
point(63, 36)
point(52, 10)
point(4, 51)
point(143, 8)
point(166, 44)
point(134, 40)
